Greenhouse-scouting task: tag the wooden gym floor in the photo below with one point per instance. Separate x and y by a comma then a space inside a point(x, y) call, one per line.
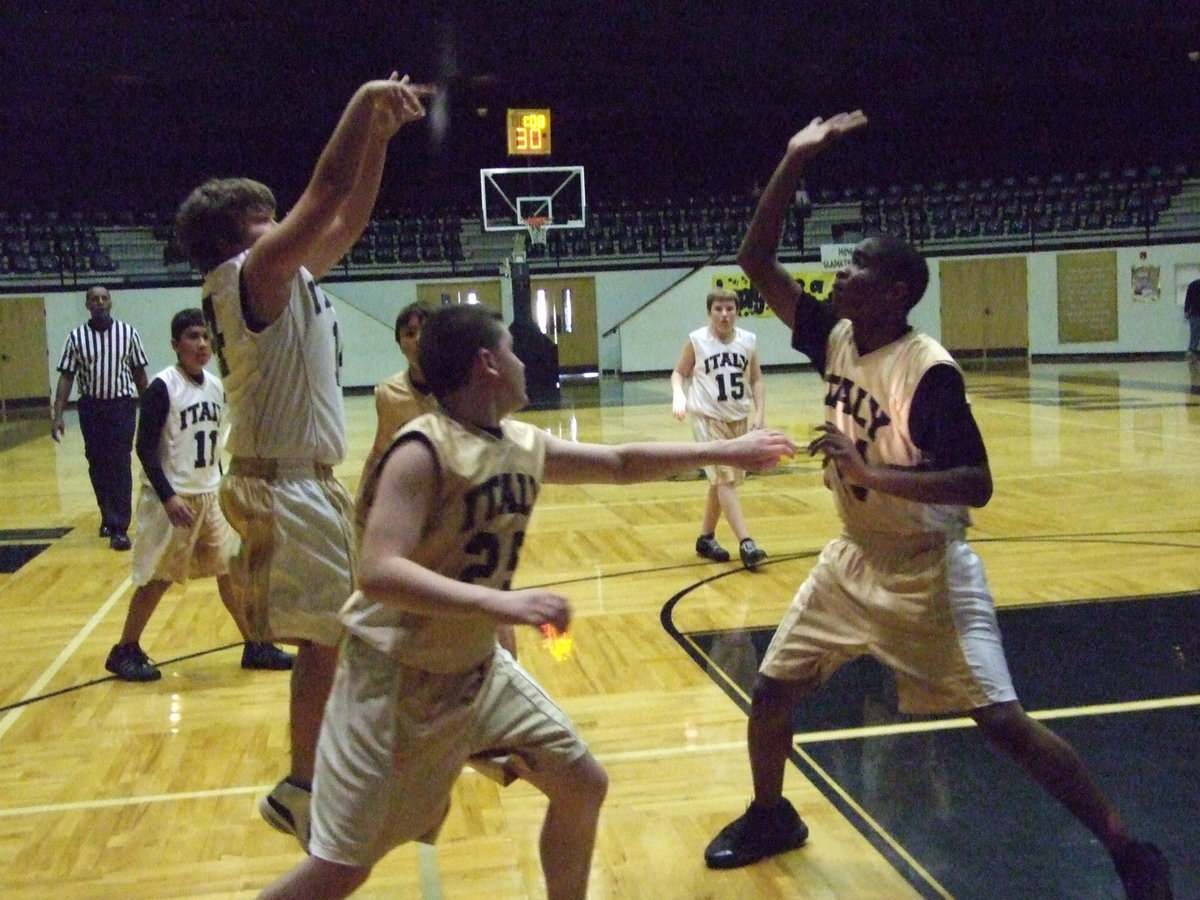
point(1091, 541)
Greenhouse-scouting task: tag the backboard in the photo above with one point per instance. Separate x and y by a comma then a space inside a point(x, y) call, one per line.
point(510, 196)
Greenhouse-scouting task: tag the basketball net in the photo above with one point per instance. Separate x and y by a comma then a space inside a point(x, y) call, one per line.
point(538, 226)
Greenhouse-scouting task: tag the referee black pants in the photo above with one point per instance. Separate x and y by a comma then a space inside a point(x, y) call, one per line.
point(107, 427)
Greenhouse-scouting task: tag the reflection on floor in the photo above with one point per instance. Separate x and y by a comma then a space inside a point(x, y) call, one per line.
point(1118, 679)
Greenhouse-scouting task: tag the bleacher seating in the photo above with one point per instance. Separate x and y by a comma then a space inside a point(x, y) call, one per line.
point(1003, 213)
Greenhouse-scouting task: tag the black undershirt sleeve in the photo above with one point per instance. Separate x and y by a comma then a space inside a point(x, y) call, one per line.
point(813, 321)
point(152, 418)
point(941, 424)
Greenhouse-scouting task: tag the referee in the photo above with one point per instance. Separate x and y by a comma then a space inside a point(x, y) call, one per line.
point(110, 361)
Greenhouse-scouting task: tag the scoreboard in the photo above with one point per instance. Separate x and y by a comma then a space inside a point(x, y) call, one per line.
point(528, 132)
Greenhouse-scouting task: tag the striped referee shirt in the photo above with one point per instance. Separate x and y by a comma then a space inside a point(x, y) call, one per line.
point(104, 361)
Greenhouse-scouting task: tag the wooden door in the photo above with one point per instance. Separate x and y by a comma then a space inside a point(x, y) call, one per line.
point(570, 305)
point(24, 373)
point(985, 306)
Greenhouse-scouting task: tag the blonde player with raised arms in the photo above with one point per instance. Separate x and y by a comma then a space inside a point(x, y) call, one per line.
point(277, 341)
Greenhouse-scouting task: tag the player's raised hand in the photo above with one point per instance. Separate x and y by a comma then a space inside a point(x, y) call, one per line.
point(760, 449)
point(396, 101)
point(819, 133)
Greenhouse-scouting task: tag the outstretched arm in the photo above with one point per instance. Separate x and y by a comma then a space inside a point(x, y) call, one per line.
point(336, 205)
point(757, 255)
point(568, 462)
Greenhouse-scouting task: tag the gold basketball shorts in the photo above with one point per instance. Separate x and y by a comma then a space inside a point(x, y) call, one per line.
point(164, 552)
point(920, 607)
point(295, 566)
point(395, 739)
point(708, 429)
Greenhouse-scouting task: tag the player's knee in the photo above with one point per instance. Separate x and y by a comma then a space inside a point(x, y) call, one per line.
point(345, 880)
point(1004, 724)
point(318, 878)
point(591, 780)
point(584, 784)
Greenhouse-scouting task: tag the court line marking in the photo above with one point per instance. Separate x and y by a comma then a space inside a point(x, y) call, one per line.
point(427, 856)
point(1097, 709)
point(34, 690)
point(427, 866)
point(111, 802)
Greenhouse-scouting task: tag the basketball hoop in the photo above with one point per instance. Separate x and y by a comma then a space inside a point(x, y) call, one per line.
point(538, 226)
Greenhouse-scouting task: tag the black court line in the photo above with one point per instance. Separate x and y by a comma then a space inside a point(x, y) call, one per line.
point(1081, 402)
point(559, 583)
point(1037, 392)
point(746, 647)
point(955, 817)
point(87, 684)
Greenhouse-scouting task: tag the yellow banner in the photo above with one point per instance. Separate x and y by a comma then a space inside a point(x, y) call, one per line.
point(814, 280)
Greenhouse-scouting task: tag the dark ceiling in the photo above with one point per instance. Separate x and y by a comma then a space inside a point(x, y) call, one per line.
point(130, 104)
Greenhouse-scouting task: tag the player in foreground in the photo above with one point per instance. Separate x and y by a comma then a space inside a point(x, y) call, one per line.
point(422, 684)
point(905, 460)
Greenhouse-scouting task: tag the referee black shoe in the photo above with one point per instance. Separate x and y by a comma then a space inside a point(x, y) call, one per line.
point(119, 541)
point(758, 833)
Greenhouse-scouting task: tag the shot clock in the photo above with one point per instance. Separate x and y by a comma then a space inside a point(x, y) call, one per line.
point(528, 132)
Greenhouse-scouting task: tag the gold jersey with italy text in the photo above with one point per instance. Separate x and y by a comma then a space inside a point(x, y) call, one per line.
point(486, 488)
point(868, 397)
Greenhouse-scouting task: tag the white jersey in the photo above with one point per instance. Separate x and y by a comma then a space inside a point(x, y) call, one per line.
point(189, 446)
point(720, 388)
point(285, 399)
point(869, 398)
